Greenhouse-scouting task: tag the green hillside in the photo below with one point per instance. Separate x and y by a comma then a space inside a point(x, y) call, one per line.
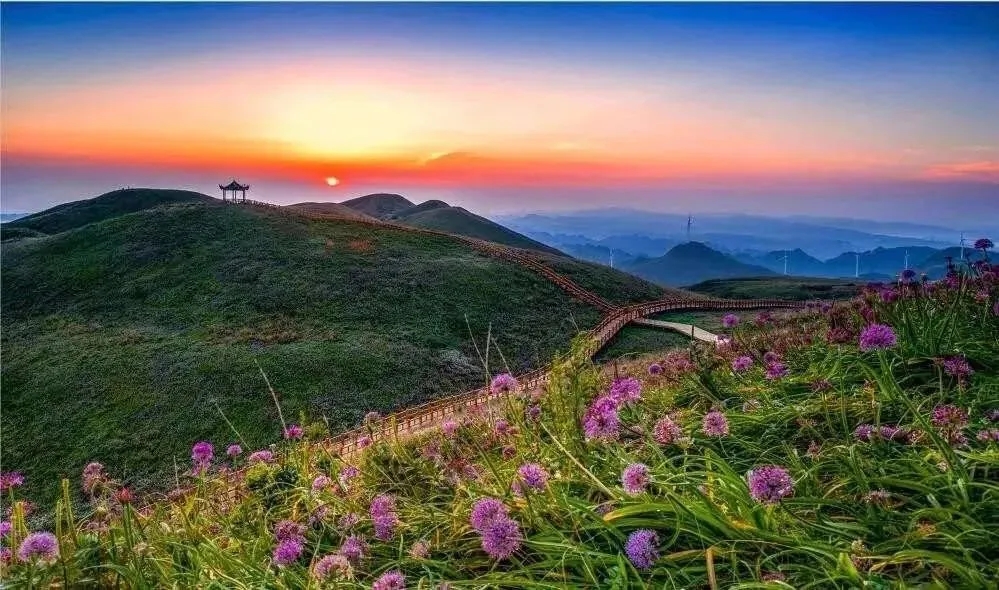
point(379, 205)
point(79, 213)
point(120, 337)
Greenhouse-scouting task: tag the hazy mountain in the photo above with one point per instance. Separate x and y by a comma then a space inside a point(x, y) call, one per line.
point(5, 217)
point(882, 261)
point(692, 263)
point(723, 231)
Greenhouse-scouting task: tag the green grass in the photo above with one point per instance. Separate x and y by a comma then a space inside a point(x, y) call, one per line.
point(710, 321)
point(636, 340)
point(917, 511)
point(121, 337)
point(795, 288)
point(617, 287)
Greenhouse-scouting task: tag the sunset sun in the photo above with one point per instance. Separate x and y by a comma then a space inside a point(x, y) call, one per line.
point(332, 180)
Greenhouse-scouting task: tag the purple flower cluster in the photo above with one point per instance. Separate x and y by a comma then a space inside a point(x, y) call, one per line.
point(383, 514)
point(642, 548)
point(655, 369)
point(420, 550)
point(332, 565)
point(372, 417)
point(321, 482)
point(635, 478)
point(288, 529)
point(988, 435)
point(625, 391)
point(354, 549)
point(5, 528)
point(533, 412)
point(730, 320)
point(533, 475)
point(601, 420)
point(288, 551)
point(293, 432)
point(714, 424)
point(502, 428)
point(770, 484)
point(503, 383)
point(877, 337)
point(949, 416)
point(776, 370)
point(666, 431)
point(390, 580)
point(771, 357)
point(233, 451)
point(957, 367)
point(348, 473)
point(951, 421)
point(742, 364)
point(39, 547)
point(261, 457)
point(201, 454)
point(449, 428)
point(93, 477)
point(501, 535)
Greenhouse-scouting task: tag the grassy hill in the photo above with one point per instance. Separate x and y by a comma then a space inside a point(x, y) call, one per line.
point(79, 213)
point(332, 209)
point(692, 263)
point(379, 205)
point(457, 220)
point(796, 288)
point(120, 338)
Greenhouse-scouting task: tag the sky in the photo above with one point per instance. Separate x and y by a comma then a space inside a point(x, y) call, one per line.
point(883, 111)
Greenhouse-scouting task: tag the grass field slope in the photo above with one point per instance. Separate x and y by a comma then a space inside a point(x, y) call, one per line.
point(440, 216)
point(379, 205)
point(125, 337)
point(337, 210)
point(794, 288)
point(79, 213)
point(852, 445)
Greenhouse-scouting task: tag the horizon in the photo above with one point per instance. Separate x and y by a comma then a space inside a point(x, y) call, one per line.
point(824, 110)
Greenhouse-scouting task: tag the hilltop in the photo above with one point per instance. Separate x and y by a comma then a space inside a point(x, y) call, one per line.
point(438, 215)
point(379, 205)
point(691, 263)
point(333, 210)
point(126, 336)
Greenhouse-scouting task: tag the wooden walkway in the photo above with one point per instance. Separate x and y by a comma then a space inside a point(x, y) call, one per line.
point(685, 329)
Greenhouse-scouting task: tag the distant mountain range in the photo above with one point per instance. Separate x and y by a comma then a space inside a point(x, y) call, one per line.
point(652, 234)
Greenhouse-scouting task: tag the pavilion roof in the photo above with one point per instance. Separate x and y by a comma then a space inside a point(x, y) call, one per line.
point(234, 186)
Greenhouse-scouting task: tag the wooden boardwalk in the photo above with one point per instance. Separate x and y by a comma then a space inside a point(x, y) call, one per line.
point(685, 329)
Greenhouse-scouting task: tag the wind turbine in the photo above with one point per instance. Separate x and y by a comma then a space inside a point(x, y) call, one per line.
point(962, 245)
point(856, 272)
point(611, 257)
point(690, 221)
point(907, 259)
point(787, 254)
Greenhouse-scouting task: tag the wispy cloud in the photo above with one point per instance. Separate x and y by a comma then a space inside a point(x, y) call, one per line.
point(986, 171)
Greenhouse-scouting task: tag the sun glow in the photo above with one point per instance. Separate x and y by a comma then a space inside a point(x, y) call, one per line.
point(332, 180)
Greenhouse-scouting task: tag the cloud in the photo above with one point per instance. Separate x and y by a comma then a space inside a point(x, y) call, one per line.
point(984, 171)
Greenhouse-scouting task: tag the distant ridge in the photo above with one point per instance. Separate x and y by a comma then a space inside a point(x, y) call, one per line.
point(693, 262)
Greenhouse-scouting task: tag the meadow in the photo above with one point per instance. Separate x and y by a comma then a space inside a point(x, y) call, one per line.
point(854, 444)
point(131, 330)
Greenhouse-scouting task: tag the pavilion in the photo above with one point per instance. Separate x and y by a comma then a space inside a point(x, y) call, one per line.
point(234, 187)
